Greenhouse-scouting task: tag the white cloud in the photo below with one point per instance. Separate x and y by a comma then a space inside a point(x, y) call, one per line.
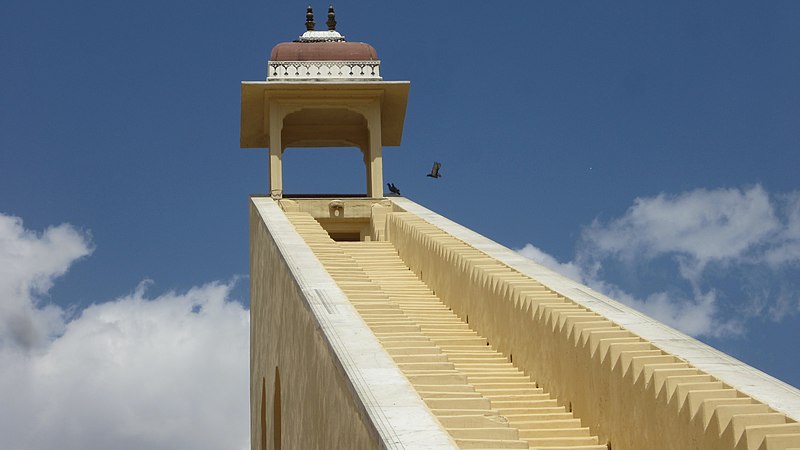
point(694, 316)
point(702, 226)
point(163, 372)
point(706, 236)
point(569, 270)
point(29, 262)
point(786, 246)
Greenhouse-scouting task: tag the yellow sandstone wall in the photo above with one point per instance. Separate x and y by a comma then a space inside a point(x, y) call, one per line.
point(631, 393)
point(635, 382)
point(317, 407)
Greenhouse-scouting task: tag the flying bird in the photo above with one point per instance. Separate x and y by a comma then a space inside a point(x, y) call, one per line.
point(435, 170)
point(393, 189)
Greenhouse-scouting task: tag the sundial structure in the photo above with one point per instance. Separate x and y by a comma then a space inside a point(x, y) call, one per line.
point(377, 323)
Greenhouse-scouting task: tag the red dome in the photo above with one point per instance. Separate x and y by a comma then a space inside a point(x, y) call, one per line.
point(323, 51)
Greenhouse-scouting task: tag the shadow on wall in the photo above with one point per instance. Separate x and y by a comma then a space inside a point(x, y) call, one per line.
point(276, 411)
point(263, 413)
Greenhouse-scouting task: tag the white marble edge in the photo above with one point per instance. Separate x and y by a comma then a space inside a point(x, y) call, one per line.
point(761, 386)
point(398, 413)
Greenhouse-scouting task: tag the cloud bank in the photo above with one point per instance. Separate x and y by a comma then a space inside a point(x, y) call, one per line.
point(704, 261)
point(156, 372)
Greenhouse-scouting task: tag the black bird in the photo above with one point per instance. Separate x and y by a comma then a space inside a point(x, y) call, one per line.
point(393, 189)
point(435, 170)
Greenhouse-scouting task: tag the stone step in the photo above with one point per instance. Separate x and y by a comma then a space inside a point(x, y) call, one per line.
point(575, 447)
point(545, 421)
point(531, 410)
point(468, 385)
point(505, 397)
point(393, 351)
point(562, 441)
point(444, 388)
point(408, 337)
point(380, 329)
point(513, 391)
point(461, 341)
point(477, 359)
point(490, 370)
point(479, 403)
point(450, 333)
point(426, 366)
point(441, 326)
point(473, 421)
point(445, 394)
point(478, 379)
point(405, 359)
point(519, 406)
point(553, 432)
point(502, 433)
point(491, 362)
point(437, 379)
point(381, 322)
point(490, 443)
point(491, 385)
point(454, 412)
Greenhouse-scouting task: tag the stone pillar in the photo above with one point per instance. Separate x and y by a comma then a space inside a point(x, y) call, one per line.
point(275, 151)
point(375, 152)
point(365, 156)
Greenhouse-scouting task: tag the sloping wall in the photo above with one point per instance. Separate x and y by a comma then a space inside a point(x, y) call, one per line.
point(637, 383)
point(315, 407)
point(319, 378)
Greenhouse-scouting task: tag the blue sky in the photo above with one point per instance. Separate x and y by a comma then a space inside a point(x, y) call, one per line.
point(649, 149)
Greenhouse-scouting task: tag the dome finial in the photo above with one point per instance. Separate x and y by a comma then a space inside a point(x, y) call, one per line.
point(309, 18)
point(331, 19)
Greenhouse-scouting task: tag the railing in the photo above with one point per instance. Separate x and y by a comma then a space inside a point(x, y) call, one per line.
point(315, 70)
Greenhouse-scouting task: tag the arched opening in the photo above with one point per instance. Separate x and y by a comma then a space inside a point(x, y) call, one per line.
point(276, 412)
point(322, 151)
point(263, 414)
point(330, 170)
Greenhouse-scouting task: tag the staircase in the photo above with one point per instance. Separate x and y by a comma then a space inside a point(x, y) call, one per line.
point(477, 394)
